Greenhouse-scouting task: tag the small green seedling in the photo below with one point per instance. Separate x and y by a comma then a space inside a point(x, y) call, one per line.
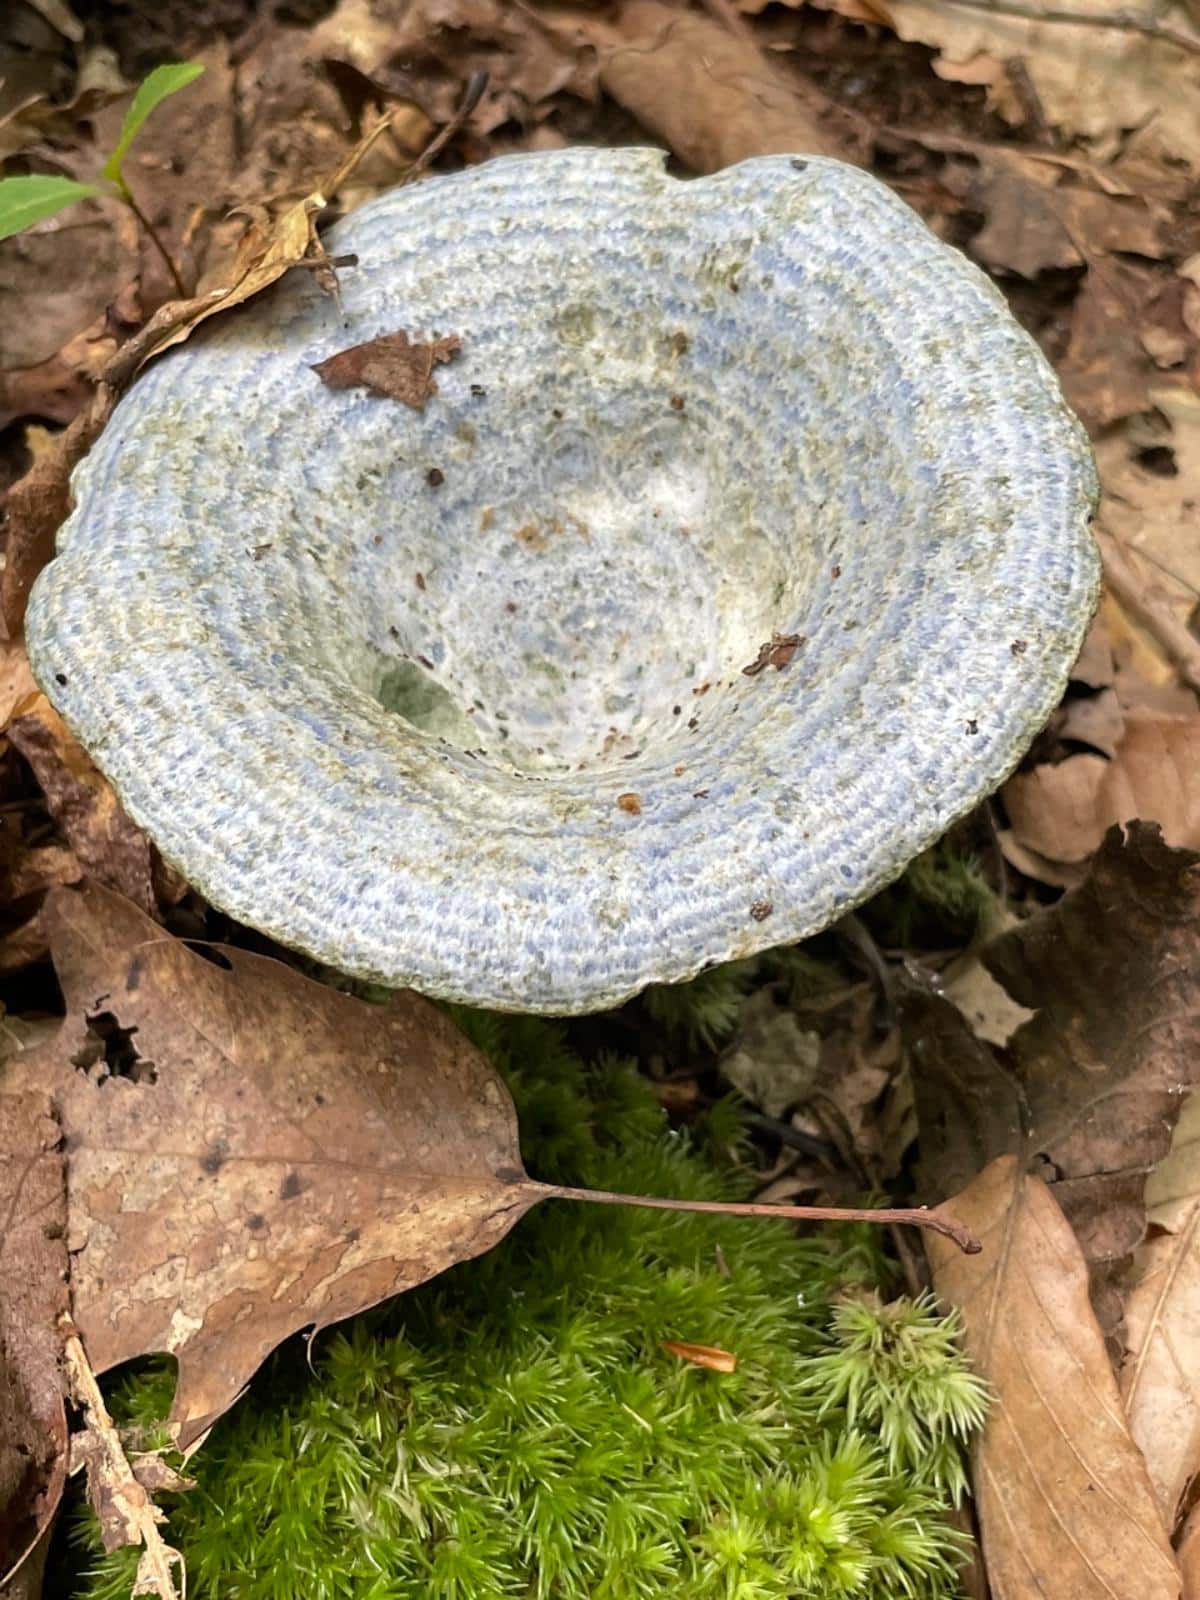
point(30, 199)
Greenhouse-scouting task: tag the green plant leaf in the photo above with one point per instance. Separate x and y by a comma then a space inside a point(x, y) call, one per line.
point(24, 201)
point(151, 92)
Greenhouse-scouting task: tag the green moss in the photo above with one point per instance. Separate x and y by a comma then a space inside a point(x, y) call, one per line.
point(701, 1013)
point(516, 1429)
point(704, 1012)
point(942, 897)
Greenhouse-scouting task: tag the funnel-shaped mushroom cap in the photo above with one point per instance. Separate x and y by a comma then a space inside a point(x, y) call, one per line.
point(458, 697)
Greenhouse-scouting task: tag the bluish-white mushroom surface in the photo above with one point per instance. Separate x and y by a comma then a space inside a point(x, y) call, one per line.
point(455, 697)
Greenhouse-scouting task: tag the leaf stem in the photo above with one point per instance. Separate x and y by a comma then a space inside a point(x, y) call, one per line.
point(916, 1217)
point(152, 233)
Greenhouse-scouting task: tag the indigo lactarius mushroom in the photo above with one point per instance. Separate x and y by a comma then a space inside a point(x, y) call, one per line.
point(742, 548)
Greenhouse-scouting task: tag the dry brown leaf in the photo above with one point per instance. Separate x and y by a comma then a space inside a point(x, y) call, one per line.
point(36, 506)
point(18, 689)
point(264, 254)
point(40, 116)
point(1087, 1092)
point(246, 133)
point(33, 1294)
point(1107, 372)
point(1160, 1377)
point(709, 94)
point(33, 869)
point(1065, 1504)
point(1089, 81)
point(105, 842)
point(63, 274)
point(390, 365)
point(1150, 472)
point(701, 1355)
point(283, 1157)
point(1059, 874)
point(968, 1101)
point(994, 1016)
point(251, 1153)
point(1113, 972)
point(24, 944)
point(1094, 665)
point(1035, 221)
point(428, 49)
point(1093, 719)
point(1062, 812)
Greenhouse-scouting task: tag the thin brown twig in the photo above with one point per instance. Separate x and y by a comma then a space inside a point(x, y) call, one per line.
point(916, 1217)
point(152, 235)
point(472, 94)
point(346, 167)
point(1118, 21)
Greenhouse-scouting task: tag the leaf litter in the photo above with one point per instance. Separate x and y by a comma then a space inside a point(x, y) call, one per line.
point(1043, 1078)
point(250, 1153)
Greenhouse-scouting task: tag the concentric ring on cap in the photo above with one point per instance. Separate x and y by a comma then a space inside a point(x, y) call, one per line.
point(458, 698)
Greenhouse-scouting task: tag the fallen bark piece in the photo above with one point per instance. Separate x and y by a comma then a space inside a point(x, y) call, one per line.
point(125, 1510)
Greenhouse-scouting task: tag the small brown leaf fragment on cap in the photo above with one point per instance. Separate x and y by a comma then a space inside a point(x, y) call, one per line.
point(630, 803)
point(701, 1355)
point(776, 652)
point(390, 366)
point(761, 910)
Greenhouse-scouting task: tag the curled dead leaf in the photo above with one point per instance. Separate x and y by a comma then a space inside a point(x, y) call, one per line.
point(701, 1355)
point(1037, 221)
point(38, 503)
point(390, 365)
point(104, 840)
point(1063, 811)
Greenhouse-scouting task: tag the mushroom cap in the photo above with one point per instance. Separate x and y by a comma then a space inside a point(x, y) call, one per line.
point(457, 697)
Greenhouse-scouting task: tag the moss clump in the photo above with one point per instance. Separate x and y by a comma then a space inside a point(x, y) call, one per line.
point(516, 1429)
